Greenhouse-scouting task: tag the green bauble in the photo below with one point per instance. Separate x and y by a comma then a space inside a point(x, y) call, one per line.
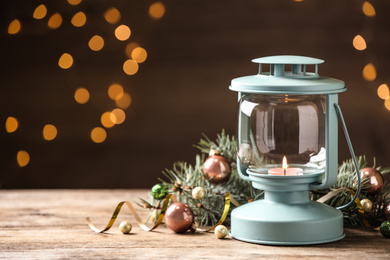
point(159, 192)
point(385, 229)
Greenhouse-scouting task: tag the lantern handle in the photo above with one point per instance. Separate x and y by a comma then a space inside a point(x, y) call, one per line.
point(340, 115)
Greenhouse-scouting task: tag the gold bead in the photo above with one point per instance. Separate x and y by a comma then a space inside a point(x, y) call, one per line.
point(366, 205)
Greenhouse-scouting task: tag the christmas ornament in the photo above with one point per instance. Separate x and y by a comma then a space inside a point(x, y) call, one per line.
point(366, 205)
point(159, 191)
point(216, 168)
point(179, 217)
point(198, 193)
point(375, 181)
point(125, 227)
point(220, 231)
point(386, 211)
point(385, 229)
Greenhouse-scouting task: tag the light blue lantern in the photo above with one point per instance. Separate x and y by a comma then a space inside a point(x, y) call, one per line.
point(288, 112)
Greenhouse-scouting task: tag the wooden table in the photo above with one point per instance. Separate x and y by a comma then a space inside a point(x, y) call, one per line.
point(50, 224)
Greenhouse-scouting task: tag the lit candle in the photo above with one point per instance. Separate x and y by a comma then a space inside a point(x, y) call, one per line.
point(285, 170)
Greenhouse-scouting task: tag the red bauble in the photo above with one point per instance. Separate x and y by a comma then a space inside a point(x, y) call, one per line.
point(375, 181)
point(217, 169)
point(179, 217)
point(386, 211)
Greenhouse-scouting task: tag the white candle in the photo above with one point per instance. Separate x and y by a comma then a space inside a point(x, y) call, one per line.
point(285, 170)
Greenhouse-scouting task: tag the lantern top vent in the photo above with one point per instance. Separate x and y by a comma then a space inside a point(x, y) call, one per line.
point(287, 74)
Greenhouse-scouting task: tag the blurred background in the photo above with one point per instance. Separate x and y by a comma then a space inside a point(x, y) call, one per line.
point(107, 94)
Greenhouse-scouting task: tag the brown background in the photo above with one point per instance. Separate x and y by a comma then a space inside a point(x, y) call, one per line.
point(180, 92)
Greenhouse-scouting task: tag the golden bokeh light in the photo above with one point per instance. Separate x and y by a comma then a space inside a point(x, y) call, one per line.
point(55, 21)
point(11, 124)
point(81, 95)
point(65, 61)
point(49, 132)
point(14, 27)
point(156, 10)
point(23, 158)
point(122, 32)
point(387, 103)
point(369, 72)
point(112, 15)
point(368, 9)
point(359, 43)
point(139, 54)
point(130, 67)
point(130, 47)
point(98, 135)
point(124, 101)
point(79, 19)
point(118, 116)
point(106, 120)
point(383, 91)
point(96, 43)
point(74, 2)
point(115, 91)
point(40, 12)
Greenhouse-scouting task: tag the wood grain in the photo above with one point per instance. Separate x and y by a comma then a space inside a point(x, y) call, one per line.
point(50, 224)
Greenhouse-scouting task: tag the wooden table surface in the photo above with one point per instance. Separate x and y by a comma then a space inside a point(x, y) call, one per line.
point(50, 224)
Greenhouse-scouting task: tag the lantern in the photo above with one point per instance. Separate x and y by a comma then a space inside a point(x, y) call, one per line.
point(287, 145)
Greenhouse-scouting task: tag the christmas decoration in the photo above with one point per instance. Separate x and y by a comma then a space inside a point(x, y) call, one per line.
point(221, 231)
point(217, 169)
point(159, 191)
point(374, 179)
point(179, 217)
point(385, 229)
point(366, 205)
point(386, 211)
point(125, 227)
point(198, 193)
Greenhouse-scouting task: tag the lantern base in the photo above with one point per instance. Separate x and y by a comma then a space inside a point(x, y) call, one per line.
point(272, 223)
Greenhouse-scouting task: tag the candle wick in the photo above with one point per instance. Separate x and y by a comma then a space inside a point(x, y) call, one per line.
point(284, 171)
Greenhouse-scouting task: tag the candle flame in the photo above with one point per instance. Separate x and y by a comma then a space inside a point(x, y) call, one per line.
point(284, 163)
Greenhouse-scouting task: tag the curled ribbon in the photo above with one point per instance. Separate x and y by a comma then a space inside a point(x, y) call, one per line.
point(160, 217)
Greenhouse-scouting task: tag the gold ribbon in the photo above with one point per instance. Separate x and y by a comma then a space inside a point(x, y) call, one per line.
point(160, 217)
point(357, 202)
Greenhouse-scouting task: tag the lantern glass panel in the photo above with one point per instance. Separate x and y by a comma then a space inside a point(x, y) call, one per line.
point(274, 126)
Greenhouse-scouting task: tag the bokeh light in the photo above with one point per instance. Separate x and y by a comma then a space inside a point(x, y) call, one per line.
point(139, 54)
point(11, 124)
point(14, 27)
point(130, 67)
point(115, 91)
point(74, 2)
point(98, 135)
point(81, 95)
point(130, 47)
point(96, 43)
point(79, 19)
point(49, 132)
point(124, 101)
point(387, 103)
point(368, 9)
point(369, 72)
point(40, 12)
point(383, 91)
point(65, 61)
point(112, 15)
point(122, 32)
point(359, 43)
point(156, 10)
point(23, 158)
point(55, 21)
point(118, 116)
point(106, 120)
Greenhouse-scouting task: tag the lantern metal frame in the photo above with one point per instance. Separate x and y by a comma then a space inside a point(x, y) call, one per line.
point(286, 215)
